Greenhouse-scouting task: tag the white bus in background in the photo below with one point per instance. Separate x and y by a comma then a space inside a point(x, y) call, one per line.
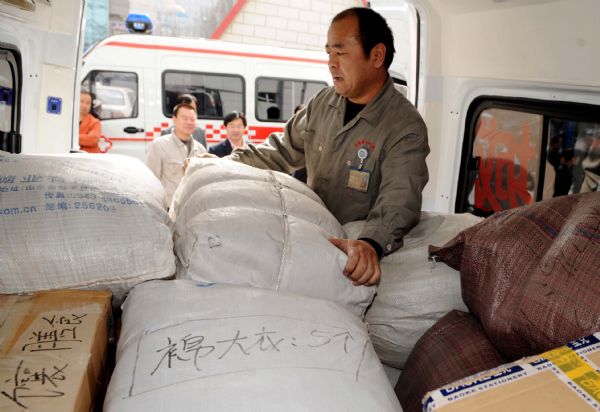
point(136, 80)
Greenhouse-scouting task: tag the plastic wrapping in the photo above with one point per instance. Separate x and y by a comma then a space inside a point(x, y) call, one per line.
point(240, 225)
point(81, 221)
point(414, 292)
point(232, 348)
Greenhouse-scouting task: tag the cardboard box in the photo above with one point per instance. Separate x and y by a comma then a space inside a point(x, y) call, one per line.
point(52, 349)
point(563, 379)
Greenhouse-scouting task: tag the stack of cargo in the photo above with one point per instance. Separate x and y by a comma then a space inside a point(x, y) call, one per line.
point(529, 278)
point(256, 320)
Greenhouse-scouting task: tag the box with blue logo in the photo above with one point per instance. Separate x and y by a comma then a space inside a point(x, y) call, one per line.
point(563, 379)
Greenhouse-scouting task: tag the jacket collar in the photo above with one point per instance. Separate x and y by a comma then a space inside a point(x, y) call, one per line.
point(178, 141)
point(372, 111)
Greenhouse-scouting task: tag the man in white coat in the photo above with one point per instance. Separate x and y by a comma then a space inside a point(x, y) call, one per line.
point(167, 154)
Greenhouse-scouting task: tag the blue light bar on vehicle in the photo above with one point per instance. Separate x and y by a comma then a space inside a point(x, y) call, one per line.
point(138, 23)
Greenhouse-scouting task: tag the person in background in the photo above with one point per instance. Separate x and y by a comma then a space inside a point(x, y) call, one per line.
point(199, 135)
point(235, 124)
point(89, 125)
point(273, 113)
point(167, 154)
point(362, 142)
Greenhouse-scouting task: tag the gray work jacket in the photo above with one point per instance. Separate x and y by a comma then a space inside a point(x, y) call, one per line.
point(395, 137)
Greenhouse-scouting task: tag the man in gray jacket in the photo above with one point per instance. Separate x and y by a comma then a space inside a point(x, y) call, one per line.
point(363, 144)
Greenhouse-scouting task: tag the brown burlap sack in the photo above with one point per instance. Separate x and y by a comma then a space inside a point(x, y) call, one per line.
point(531, 275)
point(454, 348)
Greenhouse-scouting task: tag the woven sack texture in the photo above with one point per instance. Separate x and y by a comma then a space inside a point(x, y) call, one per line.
point(454, 348)
point(532, 275)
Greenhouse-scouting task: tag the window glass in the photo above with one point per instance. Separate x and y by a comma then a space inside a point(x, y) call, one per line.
point(573, 158)
point(8, 74)
point(276, 99)
point(217, 94)
point(115, 94)
point(507, 151)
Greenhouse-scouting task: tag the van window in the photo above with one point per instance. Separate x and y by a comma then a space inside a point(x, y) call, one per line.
point(217, 94)
point(574, 157)
point(520, 152)
point(115, 94)
point(277, 98)
point(10, 81)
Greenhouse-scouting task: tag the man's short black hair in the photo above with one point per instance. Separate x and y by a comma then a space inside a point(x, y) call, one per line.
point(373, 30)
point(182, 106)
point(187, 98)
point(230, 117)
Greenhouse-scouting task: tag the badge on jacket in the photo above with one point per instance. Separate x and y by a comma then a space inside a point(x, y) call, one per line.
point(358, 179)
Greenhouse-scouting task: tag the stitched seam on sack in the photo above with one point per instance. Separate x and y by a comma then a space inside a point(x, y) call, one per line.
point(286, 231)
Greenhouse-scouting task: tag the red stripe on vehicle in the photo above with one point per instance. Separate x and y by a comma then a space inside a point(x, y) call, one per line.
point(259, 133)
point(228, 19)
point(262, 132)
point(207, 51)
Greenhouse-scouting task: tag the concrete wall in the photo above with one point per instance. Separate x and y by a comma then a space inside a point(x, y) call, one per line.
point(286, 23)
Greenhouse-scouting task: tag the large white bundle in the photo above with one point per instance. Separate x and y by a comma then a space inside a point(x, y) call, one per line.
point(228, 348)
point(225, 171)
point(81, 221)
point(259, 195)
point(261, 229)
point(414, 292)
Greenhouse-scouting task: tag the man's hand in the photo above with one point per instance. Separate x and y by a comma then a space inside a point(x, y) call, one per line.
point(363, 265)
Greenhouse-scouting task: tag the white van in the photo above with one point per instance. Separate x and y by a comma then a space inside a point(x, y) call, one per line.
point(136, 80)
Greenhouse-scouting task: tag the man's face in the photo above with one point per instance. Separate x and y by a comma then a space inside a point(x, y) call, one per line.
point(235, 130)
point(351, 70)
point(184, 123)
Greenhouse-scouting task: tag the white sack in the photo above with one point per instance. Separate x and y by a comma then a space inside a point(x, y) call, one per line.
point(81, 221)
point(207, 347)
point(252, 247)
point(414, 292)
point(258, 195)
point(254, 230)
point(203, 171)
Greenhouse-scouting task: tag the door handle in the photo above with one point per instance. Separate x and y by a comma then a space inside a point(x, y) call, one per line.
point(132, 129)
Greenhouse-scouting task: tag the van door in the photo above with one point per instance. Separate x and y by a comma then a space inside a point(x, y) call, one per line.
point(10, 96)
point(116, 103)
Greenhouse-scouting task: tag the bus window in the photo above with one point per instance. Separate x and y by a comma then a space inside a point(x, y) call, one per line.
point(217, 94)
point(519, 151)
point(116, 94)
point(276, 98)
